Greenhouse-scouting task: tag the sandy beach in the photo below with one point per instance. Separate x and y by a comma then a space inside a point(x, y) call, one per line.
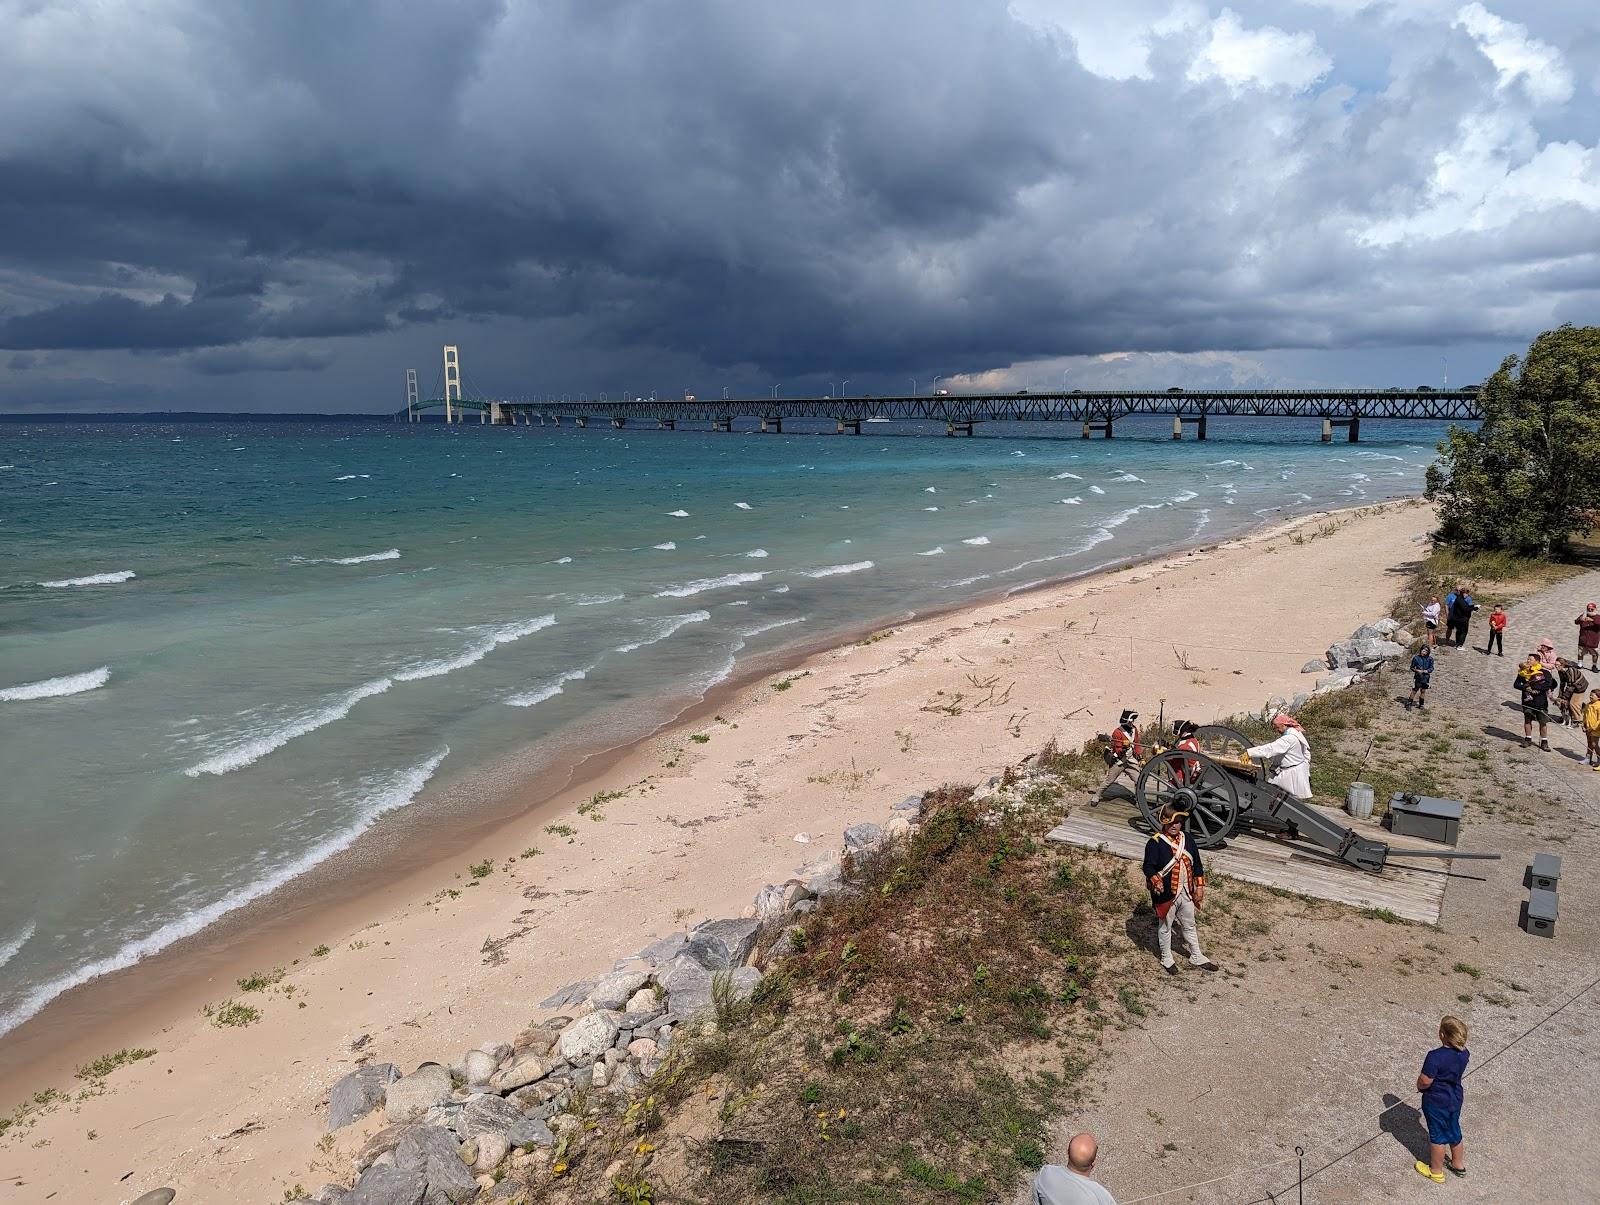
point(686, 825)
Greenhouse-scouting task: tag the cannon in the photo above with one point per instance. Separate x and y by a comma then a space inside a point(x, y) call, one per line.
point(1224, 792)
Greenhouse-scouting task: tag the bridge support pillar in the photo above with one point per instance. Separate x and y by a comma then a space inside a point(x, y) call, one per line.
point(1177, 426)
point(666, 424)
point(1199, 421)
point(722, 424)
point(619, 422)
point(952, 429)
point(772, 423)
point(1097, 424)
point(853, 424)
point(497, 417)
point(581, 421)
point(1352, 426)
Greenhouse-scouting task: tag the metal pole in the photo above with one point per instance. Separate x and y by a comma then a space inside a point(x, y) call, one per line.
point(1300, 1180)
point(842, 387)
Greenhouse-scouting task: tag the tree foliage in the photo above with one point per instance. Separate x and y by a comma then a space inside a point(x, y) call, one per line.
point(1529, 478)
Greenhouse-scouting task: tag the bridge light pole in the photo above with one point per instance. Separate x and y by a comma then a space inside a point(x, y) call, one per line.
point(913, 386)
point(775, 389)
point(844, 386)
point(724, 393)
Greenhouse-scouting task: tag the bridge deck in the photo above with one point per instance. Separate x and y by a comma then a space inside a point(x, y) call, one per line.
point(1099, 409)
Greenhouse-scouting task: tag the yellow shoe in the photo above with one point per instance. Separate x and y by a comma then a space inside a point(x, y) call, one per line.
point(1424, 1169)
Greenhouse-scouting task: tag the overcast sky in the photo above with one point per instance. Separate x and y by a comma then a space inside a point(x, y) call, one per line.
point(243, 204)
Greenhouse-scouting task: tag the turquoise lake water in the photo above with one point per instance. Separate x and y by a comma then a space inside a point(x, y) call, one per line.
point(228, 648)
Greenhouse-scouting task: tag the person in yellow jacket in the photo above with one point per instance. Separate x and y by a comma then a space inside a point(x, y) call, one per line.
point(1591, 728)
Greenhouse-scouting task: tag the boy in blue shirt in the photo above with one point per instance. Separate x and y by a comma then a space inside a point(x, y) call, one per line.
point(1440, 1085)
point(1421, 675)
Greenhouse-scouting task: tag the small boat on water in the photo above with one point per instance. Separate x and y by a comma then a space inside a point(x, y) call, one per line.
point(877, 418)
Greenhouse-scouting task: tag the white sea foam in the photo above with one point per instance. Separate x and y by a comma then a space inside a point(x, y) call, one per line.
point(930, 508)
point(9, 949)
point(662, 628)
point(779, 590)
point(930, 490)
point(836, 570)
point(979, 540)
point(1095, 489)
point(490, 639)
point(669, 546)
point(1066, 477)
point(94, 579)
point(380, 795)
point(1185, 496)
point(938, 550)
point(742, 505)
point(562, 560)
point(1075, 500)
point(1126, 477)
point(677, 514)
point(254, 748)
point(597, 600)
point(771, 627)
point(388, 554)
point(757, 553)
point(550, 689)
point(701, 585)
point(966, 581)
point(56, 688)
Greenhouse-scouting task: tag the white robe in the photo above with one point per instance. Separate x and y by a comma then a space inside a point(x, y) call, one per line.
point(1294, 762)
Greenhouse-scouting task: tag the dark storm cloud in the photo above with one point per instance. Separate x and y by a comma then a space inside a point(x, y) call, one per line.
point(782, 188)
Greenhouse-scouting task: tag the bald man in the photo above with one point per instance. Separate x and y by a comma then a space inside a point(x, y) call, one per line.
point(1071, 1185)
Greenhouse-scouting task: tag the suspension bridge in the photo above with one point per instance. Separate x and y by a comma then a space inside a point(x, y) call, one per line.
point(1096, 411)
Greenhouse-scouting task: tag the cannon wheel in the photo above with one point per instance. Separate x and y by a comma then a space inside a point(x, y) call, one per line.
point(1218, 740)
point(1212, 799)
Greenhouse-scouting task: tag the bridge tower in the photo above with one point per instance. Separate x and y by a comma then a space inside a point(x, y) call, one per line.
point(452, 380)
point(411, 395)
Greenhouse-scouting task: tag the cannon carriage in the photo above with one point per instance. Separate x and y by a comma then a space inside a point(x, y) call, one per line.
point(1223, 792)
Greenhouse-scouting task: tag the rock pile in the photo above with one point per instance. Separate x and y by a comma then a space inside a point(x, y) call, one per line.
point(1367, 648)
point(457, 1133)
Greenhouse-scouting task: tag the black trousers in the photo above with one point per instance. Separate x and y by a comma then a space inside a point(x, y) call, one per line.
point(1497, 640)
point(1461, 634)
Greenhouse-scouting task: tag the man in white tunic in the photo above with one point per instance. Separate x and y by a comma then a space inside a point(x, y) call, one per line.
point(1293, 754)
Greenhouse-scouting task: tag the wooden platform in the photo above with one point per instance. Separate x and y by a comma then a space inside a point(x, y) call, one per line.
point(1414, 891)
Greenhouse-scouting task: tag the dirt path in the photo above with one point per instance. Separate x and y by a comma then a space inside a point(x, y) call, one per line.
point(1313, 1032)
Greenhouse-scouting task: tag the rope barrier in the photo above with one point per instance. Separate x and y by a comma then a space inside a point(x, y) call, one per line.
point(1271, 1198)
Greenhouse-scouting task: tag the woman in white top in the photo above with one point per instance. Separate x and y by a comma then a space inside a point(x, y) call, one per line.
point(1430, 616)
point(1293, 772)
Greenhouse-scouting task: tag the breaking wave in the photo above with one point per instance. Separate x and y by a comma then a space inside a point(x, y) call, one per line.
point(388, 554)
point(550, 689)
point(701, 585)
point(57, 688)
point(250, 751)
point(979, 540)
point(486, 644)
point(836, 570)
point(94, 579)
point(664, 628)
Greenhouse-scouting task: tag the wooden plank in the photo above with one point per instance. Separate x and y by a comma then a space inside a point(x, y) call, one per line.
point(1413, 893)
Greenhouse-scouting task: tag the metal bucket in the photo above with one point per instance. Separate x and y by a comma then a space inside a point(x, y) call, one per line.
point(1358, 800)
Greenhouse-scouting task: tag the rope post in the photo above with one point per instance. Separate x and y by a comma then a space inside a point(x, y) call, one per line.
point(1300, 1178)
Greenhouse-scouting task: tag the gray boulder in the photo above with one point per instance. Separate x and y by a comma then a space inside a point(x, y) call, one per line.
point(540, 1039)
point(358, 1093)
point(664, 950)
point(719, 944)
point(771, 904)
point(1299, 701)
point(1366, 653)
point(1314, 667)
point(612, 991)
point(436, 1154)
point(411, 1096)
point(157, 1196)
point(823, 878)
point(390, 1185)
point(1336, 681)
point(332, 1194)
point(488, 1114)
point(1382, 629)
point(687, 984)
point(573, 993)
point(477, 1068)
point(911, 803)
point(863, 837)
point(587, 1038)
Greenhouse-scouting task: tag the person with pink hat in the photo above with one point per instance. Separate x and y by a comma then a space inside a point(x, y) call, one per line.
point(1293, 754)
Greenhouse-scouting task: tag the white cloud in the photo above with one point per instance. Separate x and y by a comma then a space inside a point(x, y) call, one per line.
point(1267, 57)
point(1516, 56)
point(1112, 41)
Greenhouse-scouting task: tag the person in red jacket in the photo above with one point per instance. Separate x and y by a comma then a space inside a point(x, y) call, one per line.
point(1123, 754)
point(1177, 882)
point(1589, 636)
point(1497, 631)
